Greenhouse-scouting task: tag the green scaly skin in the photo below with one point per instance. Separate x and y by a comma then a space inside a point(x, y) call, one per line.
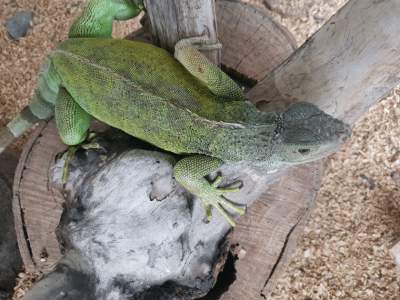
point(185, 105)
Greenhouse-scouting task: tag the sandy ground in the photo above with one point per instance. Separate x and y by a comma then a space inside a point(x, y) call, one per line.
point(344, 251)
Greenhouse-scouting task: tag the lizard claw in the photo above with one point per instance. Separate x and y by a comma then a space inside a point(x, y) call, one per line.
point(91, 144)
point(69, 155)
point(191, 173)
point(214, 197)
point(217, 181)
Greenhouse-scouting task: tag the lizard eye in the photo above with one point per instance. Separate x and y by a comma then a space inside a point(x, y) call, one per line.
point(304, 151)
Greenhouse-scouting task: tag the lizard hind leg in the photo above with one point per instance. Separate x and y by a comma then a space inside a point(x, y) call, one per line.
point(190, 172)
point(71, 120)
point(188, 54)
point(72, 124)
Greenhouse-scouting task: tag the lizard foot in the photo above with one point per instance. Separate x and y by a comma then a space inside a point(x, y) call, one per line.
point(214, 196)
point(90, 144)
point(190, 172)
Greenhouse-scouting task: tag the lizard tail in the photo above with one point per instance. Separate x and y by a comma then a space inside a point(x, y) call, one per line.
point(22, 122)
point(29, 116)
point(41, 108)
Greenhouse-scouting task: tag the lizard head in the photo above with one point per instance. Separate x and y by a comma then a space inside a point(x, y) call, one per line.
point(307, 134)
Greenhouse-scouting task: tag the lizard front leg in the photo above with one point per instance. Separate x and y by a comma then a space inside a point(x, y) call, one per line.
point(190, 172)
point(188, 54)
point(97, 18)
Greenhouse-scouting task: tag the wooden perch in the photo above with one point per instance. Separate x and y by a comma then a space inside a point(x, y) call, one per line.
point(172, 20)
point(104, 225)
point(348, 65)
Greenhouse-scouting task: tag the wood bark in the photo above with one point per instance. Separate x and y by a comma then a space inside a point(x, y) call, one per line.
point(172, 20)
point(267, 235)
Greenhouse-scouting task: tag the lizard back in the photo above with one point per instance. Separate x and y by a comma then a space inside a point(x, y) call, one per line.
point(144, 91)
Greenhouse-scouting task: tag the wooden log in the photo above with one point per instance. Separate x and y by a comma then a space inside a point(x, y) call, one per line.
point(346, 67)
point(172, 20)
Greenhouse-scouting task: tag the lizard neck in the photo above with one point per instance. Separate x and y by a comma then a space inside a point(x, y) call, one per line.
point(251, 143)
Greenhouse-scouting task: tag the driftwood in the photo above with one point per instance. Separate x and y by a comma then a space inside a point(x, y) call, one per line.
point(266, 236)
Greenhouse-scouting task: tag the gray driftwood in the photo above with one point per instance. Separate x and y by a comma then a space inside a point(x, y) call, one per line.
point(267, 235)
point(134, 231)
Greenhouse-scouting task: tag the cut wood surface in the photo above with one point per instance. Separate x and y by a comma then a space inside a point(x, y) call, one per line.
point(254, 44)
point(37, 205)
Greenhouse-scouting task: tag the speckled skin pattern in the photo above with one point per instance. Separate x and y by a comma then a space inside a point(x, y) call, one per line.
point(185, 105)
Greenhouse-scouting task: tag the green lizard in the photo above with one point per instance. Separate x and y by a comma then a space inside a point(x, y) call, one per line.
point(186, 105)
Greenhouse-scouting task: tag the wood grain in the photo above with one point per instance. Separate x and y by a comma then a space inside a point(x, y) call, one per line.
point(37, 205)
point(172, 20)
point(253, 43)
point(347, 66)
